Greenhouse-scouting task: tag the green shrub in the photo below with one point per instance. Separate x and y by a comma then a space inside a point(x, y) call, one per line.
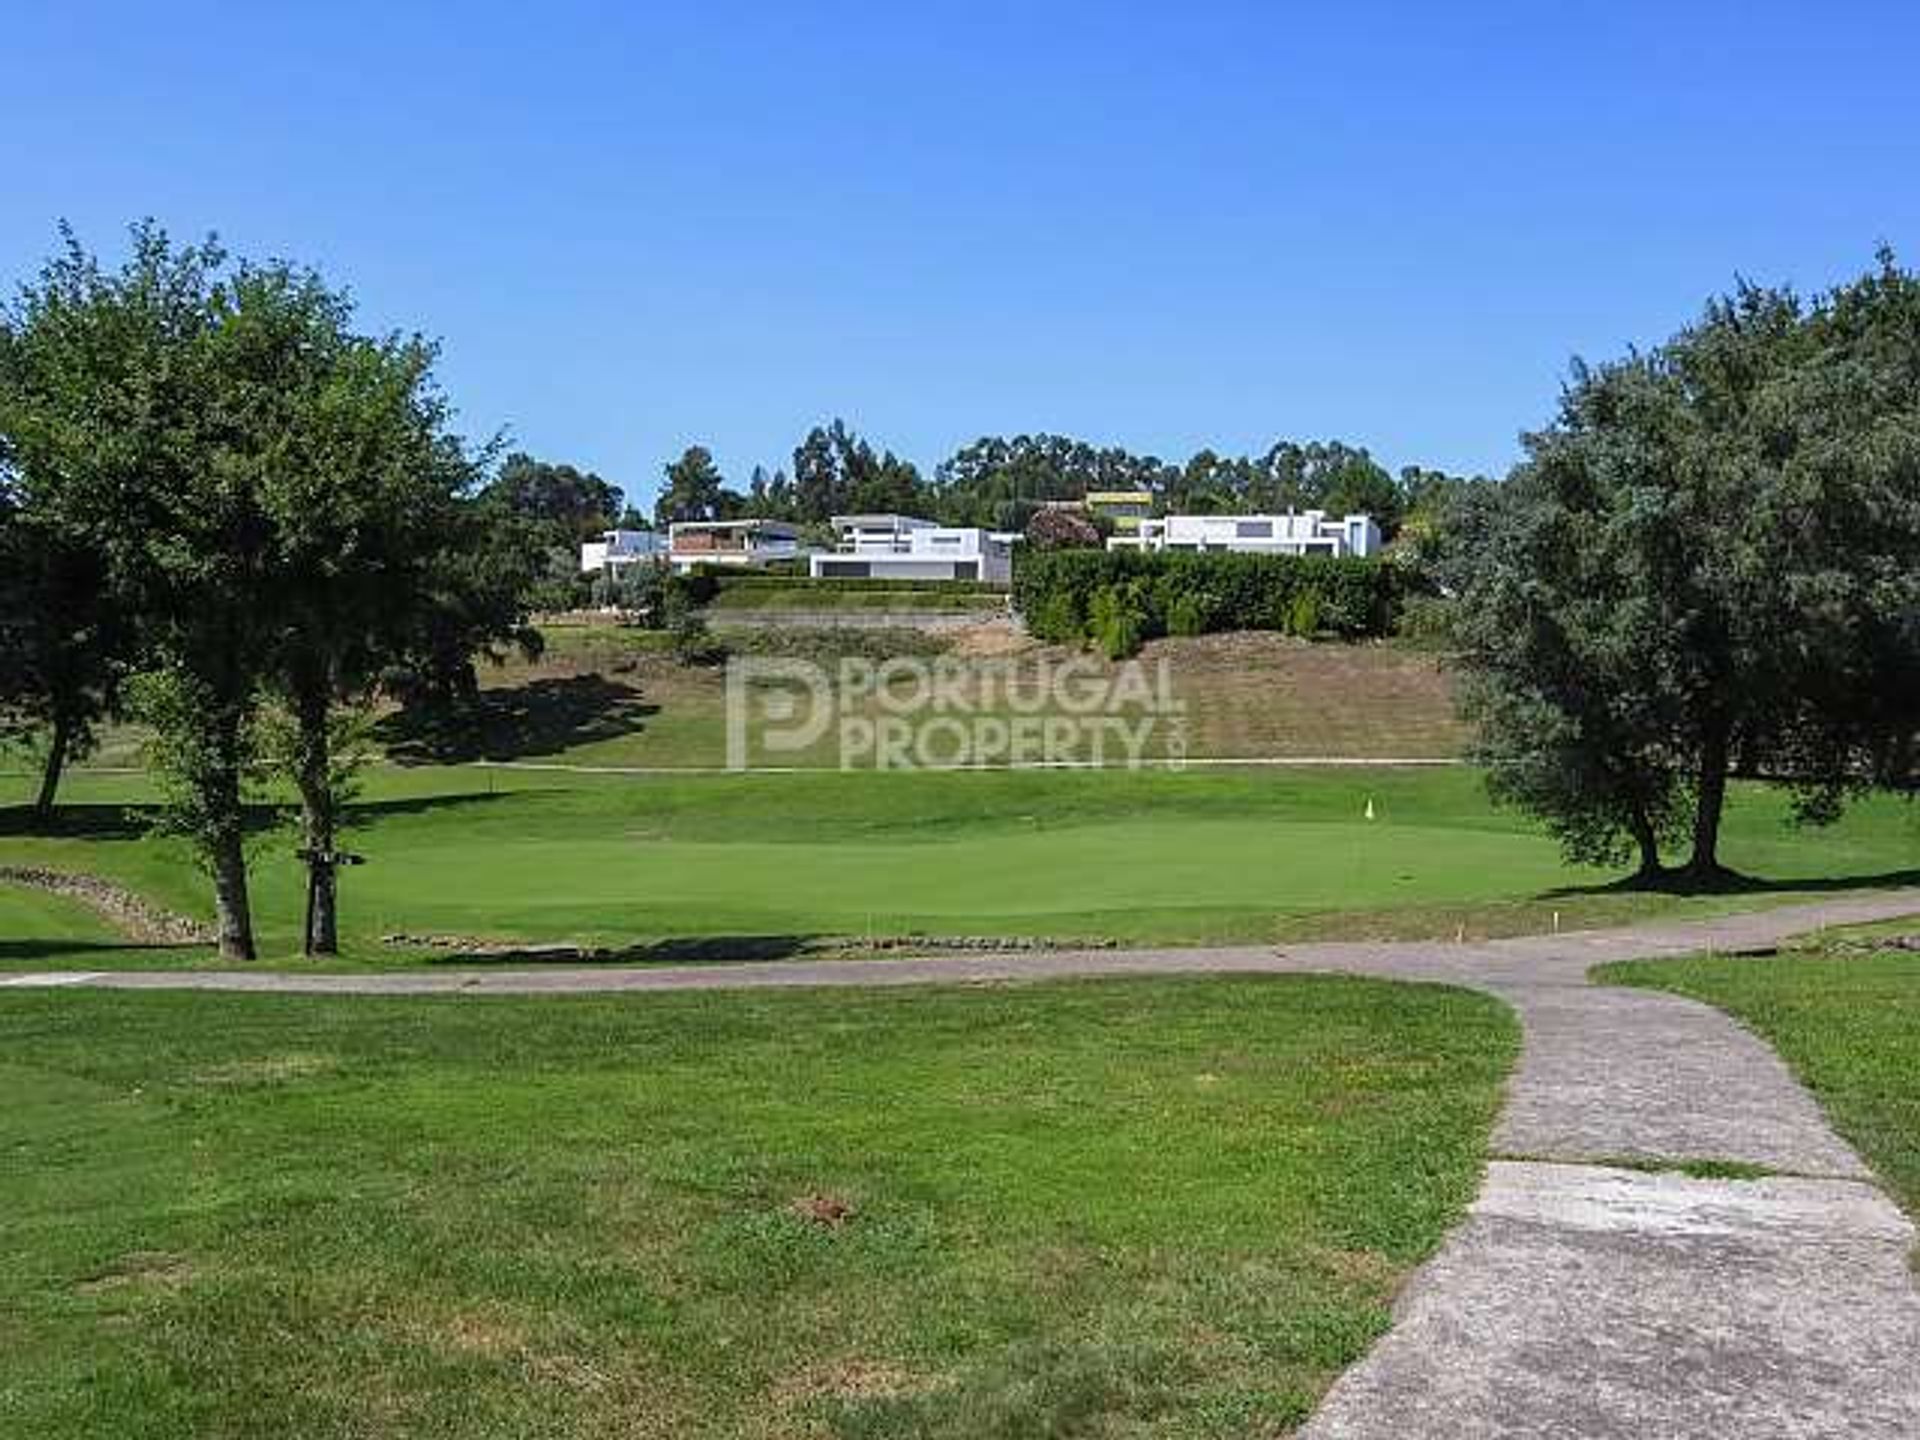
point(1189, 613)
point(1303, 614)
point(697, 586)
point(686, 627)
point(1426, 620)
point(1059, 619)
point(1115, 622)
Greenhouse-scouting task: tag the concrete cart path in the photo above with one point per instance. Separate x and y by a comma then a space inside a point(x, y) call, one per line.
point(1581, 1297)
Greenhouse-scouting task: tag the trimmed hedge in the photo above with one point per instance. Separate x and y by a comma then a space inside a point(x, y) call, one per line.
point(784, 598)
point(768, 580)
point(1117, 598)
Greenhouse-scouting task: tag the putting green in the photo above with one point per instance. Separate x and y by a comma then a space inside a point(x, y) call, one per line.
point(1128, 876)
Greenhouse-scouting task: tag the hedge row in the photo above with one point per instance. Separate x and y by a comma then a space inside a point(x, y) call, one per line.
point(795, 598)
point(760, 580)
point(1118, 598)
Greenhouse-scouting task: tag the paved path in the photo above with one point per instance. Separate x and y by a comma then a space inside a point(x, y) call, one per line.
point(1581, 1297)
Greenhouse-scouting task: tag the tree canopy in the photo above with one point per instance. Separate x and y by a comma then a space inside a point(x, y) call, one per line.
point(1708, 563)
point(575, 504)
point(695, 490)
point(65, 640)
point(270, 504)
point(1001, 483)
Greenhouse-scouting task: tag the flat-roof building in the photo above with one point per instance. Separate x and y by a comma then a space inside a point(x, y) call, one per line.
point(905, 547)
point(1302, 532)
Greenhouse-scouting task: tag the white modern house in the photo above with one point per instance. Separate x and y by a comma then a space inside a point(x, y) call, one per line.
point(740, 544)
point(1303, 532)
point(617, 550)
point(902, 547)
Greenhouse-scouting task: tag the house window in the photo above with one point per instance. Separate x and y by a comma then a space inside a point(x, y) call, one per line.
point(1253, 529)
point(966, 570)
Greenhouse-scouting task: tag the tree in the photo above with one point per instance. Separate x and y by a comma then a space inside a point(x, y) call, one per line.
point(560, 506)
point(272, 499)
point(769, 497)
point(1002, 483)
point(884, 484)
point(1361, 486)
point(129, 438)
point(358, 480)
point(694, 489)
point(574, 504)
point(1435, 512)
point(65, 641)
point(1062, 530)
point(1328, 475)
point(1208, 485)
point(1710, 562)
point(472, 604)
point(819, 489)
point(836, 472)
point(1567, 717)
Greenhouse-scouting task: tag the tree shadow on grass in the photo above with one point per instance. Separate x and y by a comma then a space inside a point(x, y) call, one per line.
point(77, 822)
point(15, 951)
point(1730, 882)
point(678, 950)
point(366, 811)
point(118, 822)
point(541, 717)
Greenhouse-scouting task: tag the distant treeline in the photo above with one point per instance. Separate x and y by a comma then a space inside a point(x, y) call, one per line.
point(995, 482)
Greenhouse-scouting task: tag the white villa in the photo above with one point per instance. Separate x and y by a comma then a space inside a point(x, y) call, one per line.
point(1304, 532)
point(742, 544)
point(901, 547)
point(616, 550)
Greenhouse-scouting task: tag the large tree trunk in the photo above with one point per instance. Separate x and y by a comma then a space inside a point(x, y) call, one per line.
point(234, 911)
point(226, 834)
point(56, 763)
point(1703, 866)
point(318, 819)
point(1651, 871)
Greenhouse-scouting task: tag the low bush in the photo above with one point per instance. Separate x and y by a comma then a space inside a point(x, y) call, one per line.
point(1060, 617)
point(1427, 620)
point(1116, 621)
point(1303, 614)
point(698, 586)
point(1189, 613)
point(686, 627)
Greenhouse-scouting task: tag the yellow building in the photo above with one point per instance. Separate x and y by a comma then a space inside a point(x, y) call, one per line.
point(1125, 508)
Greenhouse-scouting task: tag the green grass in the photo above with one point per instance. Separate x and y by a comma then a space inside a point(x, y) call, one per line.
point(31, 918)
point(772, 860)
point(1124, 1208)
point(1847, 1021)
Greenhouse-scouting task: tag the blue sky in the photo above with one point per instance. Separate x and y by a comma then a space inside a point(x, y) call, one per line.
point(636, 227)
